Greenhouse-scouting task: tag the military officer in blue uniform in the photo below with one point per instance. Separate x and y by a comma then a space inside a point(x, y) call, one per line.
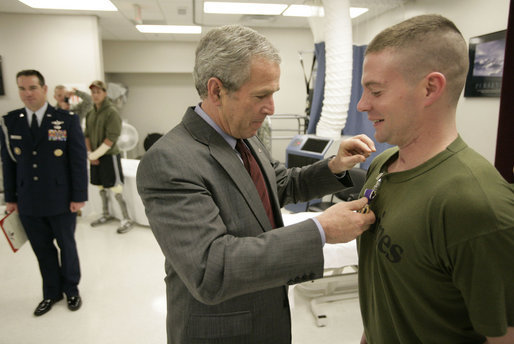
point(44, 161)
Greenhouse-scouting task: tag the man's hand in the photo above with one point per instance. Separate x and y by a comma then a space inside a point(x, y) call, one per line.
point(76, 206)
point(342, 223)
point(351, 152)
point(10, 207)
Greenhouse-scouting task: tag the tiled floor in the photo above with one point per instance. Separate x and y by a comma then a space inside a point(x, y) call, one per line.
point(124, 296)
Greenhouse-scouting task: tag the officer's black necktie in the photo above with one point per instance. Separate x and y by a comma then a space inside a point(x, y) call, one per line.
point(33, 126)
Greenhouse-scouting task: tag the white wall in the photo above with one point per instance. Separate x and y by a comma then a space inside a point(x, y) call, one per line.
point(158, 76)
point(156, 102)
point(477, 118)
point(65, 49)
point(148, 57)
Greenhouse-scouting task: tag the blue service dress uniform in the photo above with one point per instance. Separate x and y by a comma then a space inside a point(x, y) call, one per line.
point(43, 175)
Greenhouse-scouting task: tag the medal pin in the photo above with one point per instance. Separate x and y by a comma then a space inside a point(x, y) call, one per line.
point(371, 193)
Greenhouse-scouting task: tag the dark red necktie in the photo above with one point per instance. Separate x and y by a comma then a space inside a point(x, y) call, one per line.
point(255, 172)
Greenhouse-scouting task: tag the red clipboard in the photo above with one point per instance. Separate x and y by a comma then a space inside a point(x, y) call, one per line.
point(13, 230)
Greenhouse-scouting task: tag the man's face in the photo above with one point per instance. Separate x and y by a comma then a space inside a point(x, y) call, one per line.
point(32, 94)
point(242, 112)
point(98, 96)
point(392, 103)
point(59, 94)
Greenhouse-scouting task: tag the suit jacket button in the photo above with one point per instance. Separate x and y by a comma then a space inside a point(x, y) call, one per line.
point(36, 178)
point(34, 153)
point(34, 166)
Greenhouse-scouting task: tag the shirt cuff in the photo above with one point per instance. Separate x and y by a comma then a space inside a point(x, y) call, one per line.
point(321, 231)
point(340, 175)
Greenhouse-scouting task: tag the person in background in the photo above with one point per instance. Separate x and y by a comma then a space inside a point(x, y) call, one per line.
point(213, 194)
point(63, 96)
point(103, 127)
point(436, 267)
point(44, 165)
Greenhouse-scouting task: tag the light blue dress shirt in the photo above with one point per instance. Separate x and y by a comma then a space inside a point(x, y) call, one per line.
point(39, 114)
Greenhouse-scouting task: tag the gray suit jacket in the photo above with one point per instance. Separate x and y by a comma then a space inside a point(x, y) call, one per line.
point(226, 270)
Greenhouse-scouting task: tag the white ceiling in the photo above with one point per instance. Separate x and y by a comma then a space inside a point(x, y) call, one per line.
point(120, 25)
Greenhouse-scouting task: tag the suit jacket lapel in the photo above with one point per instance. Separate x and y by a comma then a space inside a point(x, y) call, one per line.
point(229, 161)
point(23, 117)
point(24, 123)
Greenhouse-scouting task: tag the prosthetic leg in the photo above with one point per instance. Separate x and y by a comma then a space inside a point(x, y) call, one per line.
point(106, 217)
point(126, 222)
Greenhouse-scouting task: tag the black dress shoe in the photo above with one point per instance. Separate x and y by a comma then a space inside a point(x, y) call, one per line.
point(44, 306)
point(74, 303)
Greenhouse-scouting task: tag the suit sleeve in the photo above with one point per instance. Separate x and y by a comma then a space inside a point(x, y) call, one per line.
point(300, 184)
point(77, 160)
point(8, 169)
point(210, 236)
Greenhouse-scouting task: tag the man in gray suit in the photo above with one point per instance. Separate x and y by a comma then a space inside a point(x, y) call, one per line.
point(228, 259)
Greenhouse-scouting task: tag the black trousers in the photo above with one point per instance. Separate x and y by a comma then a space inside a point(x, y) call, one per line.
point(108, 173)
point(59, 266)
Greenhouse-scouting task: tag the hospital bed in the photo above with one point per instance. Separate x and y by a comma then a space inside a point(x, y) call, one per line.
point(339, 280)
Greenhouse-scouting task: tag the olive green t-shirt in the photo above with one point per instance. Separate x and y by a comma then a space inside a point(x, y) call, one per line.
point(101, 124)
point(437, 265)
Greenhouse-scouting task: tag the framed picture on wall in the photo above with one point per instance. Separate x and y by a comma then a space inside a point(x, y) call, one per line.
point(486, 58)
point(2, 92)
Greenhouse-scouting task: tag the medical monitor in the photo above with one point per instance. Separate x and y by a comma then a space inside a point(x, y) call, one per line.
point(306, 149)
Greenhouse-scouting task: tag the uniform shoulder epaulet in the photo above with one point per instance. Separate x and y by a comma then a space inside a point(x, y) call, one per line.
point(16, 112)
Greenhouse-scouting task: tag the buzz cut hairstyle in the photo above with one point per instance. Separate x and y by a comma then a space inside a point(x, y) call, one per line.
point(427, 43)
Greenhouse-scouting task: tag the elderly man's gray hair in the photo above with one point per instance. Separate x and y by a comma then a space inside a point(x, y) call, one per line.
point(226, 53)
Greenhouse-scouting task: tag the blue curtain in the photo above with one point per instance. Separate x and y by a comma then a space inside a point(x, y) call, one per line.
point(357, 122)
point(319, 88)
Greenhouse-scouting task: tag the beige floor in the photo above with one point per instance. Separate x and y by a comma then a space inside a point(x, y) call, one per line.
point(124, 297)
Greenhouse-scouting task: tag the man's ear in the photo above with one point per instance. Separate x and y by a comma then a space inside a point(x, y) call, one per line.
point(435, 86)
point(214, 87)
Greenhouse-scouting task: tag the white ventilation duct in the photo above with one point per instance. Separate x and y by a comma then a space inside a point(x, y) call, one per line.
point(339, 65)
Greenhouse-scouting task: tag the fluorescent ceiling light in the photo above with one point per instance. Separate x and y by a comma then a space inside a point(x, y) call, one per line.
point(182, 29)
point(79, 5)
point(317, 11)
point(243, 8)
point(357, 11)
point(304, 11)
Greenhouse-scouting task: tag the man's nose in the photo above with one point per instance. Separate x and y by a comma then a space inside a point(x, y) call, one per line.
point(269, 108)
point(363, 105)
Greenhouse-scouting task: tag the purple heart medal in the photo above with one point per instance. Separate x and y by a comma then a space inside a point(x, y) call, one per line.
point(371, 193)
